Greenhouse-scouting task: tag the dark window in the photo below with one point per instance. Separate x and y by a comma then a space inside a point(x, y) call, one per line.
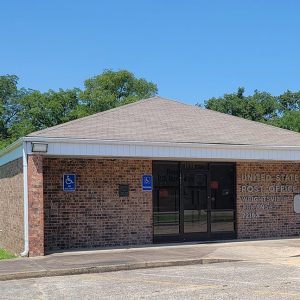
point(222, 197)
point(166, 198)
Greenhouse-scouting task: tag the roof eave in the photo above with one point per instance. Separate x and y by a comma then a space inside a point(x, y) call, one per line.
point(152, 143)
point(12, 146)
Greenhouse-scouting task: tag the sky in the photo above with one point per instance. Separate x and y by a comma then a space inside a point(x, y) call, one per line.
point(192, 49)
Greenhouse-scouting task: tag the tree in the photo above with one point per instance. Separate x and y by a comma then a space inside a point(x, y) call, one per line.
point(289, 120)
point(10, 97)
point(111, 89)
point(289, 111)
point(289, 101)
point(42, 110)
point(23, 111)
point(261, 106)
point(281, 111)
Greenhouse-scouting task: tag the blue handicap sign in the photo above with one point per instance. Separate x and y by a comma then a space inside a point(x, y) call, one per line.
point(147, 182)
point(69, 182)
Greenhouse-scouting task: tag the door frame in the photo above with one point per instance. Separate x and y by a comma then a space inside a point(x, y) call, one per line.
point(197, 236)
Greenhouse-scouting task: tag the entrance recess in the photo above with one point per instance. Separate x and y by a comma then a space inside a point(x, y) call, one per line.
point(193, 201)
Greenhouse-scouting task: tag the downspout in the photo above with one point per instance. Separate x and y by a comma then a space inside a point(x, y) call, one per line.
point(25, 181)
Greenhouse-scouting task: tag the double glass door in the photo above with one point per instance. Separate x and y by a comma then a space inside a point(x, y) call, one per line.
point(193, 201)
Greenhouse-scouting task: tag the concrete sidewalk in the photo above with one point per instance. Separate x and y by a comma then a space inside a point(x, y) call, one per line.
point(283, 251)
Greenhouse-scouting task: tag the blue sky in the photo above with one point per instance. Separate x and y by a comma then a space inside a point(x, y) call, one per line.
point(192, 49)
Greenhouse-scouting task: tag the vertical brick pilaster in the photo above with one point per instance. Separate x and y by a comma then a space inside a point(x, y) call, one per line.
point(36, 205)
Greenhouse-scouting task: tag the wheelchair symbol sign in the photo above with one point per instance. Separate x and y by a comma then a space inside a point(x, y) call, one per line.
point(69, 182)
point(147, 183)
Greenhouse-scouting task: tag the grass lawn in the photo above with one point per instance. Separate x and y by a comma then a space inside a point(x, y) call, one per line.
point(5, 255)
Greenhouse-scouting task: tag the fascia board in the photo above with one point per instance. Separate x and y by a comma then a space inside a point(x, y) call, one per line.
point(162, 144)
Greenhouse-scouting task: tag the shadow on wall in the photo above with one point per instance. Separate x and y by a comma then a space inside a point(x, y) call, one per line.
point(8, 172)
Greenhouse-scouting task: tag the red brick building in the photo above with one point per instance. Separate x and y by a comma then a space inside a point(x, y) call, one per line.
point(148, 172)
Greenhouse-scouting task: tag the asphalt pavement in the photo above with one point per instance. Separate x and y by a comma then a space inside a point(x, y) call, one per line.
point(231, 280)
point(279, 251)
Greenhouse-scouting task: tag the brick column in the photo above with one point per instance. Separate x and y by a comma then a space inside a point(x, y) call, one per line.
point(35, 205)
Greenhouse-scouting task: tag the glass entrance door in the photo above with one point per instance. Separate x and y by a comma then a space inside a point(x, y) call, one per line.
point(194, 202)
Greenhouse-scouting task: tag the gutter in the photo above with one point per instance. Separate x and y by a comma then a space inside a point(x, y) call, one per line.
point(25, 181)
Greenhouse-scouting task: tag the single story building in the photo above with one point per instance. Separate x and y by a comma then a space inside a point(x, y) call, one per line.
point(153, 171)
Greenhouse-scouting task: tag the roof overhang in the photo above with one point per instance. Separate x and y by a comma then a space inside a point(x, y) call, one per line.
point(12, 152)
point(79, 147)
point(121, 142)
point(164, 150)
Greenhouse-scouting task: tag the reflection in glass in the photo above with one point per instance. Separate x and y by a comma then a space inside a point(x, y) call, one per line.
point(166, 198)
point(166, 214)
point(222, 220)
point(195, 221)
point(195, 202)
point(222, 198)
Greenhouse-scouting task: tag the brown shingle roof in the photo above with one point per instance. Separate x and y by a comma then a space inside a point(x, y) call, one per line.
point(161, 120)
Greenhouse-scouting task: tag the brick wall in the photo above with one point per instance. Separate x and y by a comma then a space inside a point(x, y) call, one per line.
point(35, 205)
point(265, 192)
point(11, 206)
point(94, 215)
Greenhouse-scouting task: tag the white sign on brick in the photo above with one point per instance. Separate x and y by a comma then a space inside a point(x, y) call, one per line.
point(297, 204)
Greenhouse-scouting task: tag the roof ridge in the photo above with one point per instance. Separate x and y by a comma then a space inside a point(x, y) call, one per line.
point(175, 100)
point(94, 115)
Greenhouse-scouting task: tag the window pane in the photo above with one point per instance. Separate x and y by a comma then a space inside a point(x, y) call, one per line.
point(166, 198)
point(222, 197)
point(222, 220)
point(195, 202)
point(222, 186)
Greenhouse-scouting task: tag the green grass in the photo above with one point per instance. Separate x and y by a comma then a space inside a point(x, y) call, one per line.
point(5, 255)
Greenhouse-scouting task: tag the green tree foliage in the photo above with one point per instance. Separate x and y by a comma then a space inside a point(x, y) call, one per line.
point(10, 106)
point(23, 111)
point(289, 120)
point(288, 116)
point(10, 97)
point(289, 101)
point(112, 89)
point(42, 110)
point(282, 111)
point(261, 106)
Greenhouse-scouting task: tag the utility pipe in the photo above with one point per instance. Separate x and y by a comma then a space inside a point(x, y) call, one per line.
point(25, 181)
